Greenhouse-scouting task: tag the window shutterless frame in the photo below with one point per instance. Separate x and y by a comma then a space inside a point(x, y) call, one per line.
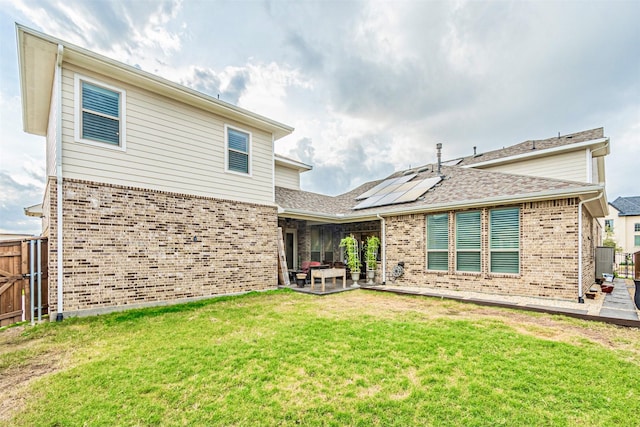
point(99, 113)
point(237, 153)
point(504, 240)
point(468, 241)
point(438, 242)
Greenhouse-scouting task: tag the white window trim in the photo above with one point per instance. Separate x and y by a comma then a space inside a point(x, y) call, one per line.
point(77, 79)
point(226, 150)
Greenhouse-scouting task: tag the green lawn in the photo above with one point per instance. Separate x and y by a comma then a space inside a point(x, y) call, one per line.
point(357, 358)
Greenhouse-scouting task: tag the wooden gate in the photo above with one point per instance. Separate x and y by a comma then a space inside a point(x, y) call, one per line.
point(15, 280)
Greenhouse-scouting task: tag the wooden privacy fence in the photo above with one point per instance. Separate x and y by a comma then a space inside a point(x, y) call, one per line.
point(23, 275)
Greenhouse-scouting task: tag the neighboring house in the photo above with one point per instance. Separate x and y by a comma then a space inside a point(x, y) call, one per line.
point(157, 194)
point(624, 222)
point(14, 236)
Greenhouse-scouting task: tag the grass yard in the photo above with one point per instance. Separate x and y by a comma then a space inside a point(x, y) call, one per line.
point(356, 358)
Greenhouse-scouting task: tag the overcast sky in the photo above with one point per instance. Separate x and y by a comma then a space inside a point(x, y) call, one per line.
point(370, 87)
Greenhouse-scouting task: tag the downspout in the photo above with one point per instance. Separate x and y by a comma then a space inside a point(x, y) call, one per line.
point(273, 165)
point(60, 308)
point(580, 297)
point(384, 248)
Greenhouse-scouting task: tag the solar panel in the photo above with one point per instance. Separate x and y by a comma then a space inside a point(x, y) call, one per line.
point(399, 193)
point(389, 198)
point(382, 187)
point(368, 202)
point(429, 182)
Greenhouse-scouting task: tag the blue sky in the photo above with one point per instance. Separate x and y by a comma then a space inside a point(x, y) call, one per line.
point(370, 87)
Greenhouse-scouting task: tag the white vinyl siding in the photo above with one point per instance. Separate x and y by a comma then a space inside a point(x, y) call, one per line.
point(287, 177)
point(170, 147)
point(100, 117)
point(468, 241)
point(438, 242)
point(504, 240)
point(568, 166)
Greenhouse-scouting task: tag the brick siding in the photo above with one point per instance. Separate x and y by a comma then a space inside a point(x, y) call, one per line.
point(127, 246)
point(548, 253)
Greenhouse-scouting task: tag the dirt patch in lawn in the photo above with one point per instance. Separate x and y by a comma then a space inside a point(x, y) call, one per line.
point(15, 379)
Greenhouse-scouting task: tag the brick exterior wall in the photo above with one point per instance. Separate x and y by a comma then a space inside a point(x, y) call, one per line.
point(548, 253)
point(133, 247)
point(590, 239)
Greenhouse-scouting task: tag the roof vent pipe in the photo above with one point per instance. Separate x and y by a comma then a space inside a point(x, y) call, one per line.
point(439, 150)
point(474, 151)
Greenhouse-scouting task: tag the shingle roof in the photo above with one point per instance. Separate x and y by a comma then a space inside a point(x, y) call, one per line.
point(627, 206)
point(539, 144)
point(460, 185)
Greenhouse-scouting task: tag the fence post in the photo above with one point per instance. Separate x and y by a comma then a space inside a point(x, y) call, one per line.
point(31, 278)
point(39, 273)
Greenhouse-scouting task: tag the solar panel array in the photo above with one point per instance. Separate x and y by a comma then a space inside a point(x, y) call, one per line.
point(453, 162)
point(396, 190)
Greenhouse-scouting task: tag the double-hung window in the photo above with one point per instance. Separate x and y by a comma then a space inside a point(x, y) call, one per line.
point(100, 118)
point(504, 240)
point(438, 242)
point(468, 241)
point(238, 150)
point(636, 227)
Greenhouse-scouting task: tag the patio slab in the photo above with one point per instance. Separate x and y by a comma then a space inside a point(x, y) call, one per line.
point(618, 304)
point(591, 309)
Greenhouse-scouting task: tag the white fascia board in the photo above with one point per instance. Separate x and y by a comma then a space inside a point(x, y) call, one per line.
point(542, 153)
point(285, 161)
point(118, 70)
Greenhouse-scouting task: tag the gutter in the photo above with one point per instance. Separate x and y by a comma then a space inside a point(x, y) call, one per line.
point(60, 252)
point(580, 293)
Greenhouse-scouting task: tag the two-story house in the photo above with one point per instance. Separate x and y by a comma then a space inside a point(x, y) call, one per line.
point(623, 222)
point(157, 194)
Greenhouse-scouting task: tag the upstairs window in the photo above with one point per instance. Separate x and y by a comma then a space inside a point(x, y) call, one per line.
point(504, 240)
point(438, 242)
point(608, 225)
point(637, 227)
point(468, 241)
point(99, 113)
point(238, 150)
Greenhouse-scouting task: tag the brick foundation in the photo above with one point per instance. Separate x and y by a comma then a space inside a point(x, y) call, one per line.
point(134, 247)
